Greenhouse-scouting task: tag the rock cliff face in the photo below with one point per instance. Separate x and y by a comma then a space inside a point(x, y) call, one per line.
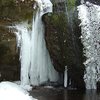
point(11, 12)
point(65, 48)
point(9, 60)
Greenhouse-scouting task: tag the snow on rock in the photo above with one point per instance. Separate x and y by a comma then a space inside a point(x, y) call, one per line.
point(26, 87)
point(45, 6)
point(12, 91)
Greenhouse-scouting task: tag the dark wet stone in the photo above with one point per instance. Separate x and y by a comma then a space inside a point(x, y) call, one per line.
point(42, 93)
point(65, 48)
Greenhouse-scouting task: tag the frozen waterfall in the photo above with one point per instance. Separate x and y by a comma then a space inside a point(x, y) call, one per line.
point(36, 65)
point(89, 14)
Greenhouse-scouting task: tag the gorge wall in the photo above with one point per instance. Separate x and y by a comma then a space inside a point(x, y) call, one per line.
point(61, 35)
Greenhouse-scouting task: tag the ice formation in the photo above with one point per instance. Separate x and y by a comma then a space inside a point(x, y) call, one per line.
point(65, 77)
point(36, 65)
point(89, 14)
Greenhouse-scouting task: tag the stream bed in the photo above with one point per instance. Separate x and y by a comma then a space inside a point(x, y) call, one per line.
point(45, 93)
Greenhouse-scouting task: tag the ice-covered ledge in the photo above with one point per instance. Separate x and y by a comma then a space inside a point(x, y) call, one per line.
point(45, 6)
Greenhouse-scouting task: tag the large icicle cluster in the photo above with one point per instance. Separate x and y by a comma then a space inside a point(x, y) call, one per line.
point(24, 43)
point(36, 65)
point(89, 14)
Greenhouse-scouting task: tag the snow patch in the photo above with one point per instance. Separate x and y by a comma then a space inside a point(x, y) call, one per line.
point(11, 91)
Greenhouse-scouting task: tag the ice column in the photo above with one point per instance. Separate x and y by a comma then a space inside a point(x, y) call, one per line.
point(65, 77)
point(89, 14)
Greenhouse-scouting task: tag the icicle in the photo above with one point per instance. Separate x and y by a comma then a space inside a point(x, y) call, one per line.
point(23, 41)
point(65, 77)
